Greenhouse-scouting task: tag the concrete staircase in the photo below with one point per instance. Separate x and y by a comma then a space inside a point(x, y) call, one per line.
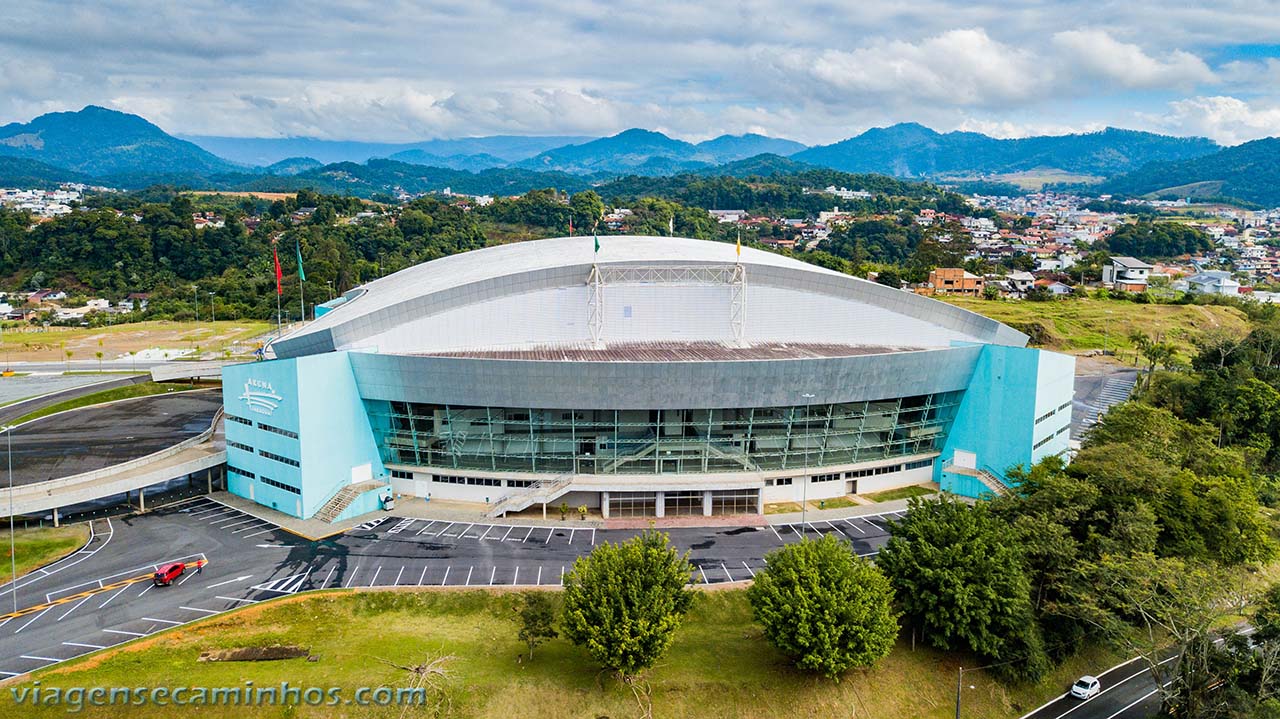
point(543, 491)
point(343, 499)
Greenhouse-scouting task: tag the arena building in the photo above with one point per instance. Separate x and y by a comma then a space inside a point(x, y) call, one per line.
point(654, 377)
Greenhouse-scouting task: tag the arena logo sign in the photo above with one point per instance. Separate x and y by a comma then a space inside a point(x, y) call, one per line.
point(259, 396)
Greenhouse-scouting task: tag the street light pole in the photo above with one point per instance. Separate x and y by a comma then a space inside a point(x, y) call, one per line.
point(213, 313)
point(804, 489)
point(959, 688)
point(195, 295)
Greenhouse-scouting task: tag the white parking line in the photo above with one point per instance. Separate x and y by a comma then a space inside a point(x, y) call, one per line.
point(516, 578)
point(228, 518)
point(446, 576)
point(469, 570)
point(328, 576)
point(550, 533)
point(148, 588)
point(207, 511)
point(250, 520)
point(526, 537)
point(463, 533)
point(504, 537)
point(539, 575)
point(429, 526)
point(726, 571)
point(352, 578)
point(593, 537)
point(33, 619)
point(38, 659)
point(423, 577)
point(77, 606)
point(260, 526)
point(85, 646)
point(113, 596)
point(851, 524)
point(376, 572)
point(562, 576)
point(184, 579)
point(121, 631)
point(442, 531)
point(793, 528)
point(233, 599)
point(493, 574)
point(271, 528)
point(198, 609)
point(397, 582)
point(749, 569)
point(704, 576)
point(163, 621)
point(571, 531)
point(486, 532)
point(775, 532)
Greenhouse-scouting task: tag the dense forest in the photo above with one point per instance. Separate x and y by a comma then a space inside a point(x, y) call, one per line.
point(1152, 240)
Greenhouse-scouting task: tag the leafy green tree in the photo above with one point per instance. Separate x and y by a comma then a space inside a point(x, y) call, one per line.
point(624, 602)
point(889, 278)
point(824, 607)
point(1266, 617)
point(537, 619)
point(959, 576)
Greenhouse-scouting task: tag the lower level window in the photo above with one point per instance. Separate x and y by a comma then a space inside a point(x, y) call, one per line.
point(280, 485)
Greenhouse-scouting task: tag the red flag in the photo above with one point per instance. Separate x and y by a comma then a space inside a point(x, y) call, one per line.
point(279, 275)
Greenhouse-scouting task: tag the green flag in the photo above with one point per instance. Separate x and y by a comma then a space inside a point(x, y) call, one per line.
point(302, 276)
point(597, 238)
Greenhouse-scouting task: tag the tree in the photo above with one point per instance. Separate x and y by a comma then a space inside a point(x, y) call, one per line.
point(824, 607)
point(958, 573)
point(624, 602)
point(889, 278)
point(1266, 618)
point(537, 619)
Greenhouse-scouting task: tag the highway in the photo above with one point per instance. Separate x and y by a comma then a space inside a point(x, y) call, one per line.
point(100, 596)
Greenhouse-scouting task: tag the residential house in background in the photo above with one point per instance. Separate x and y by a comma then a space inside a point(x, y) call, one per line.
point(952, 281)
point(1126, 274)
point(1213, 282)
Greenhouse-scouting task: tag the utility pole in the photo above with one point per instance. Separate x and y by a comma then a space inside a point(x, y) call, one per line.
point(213, 313)
point(959, 688)
point(195, 295)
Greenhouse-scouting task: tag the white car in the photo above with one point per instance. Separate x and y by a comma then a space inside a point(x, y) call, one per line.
point(1086, 687)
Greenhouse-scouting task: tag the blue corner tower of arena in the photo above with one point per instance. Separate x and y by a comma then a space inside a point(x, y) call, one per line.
point(1015, 412)
point(297, 434)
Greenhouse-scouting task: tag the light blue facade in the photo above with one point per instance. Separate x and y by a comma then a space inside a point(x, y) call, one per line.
point(299, 430)
point(297, 433)
point(1016, 411)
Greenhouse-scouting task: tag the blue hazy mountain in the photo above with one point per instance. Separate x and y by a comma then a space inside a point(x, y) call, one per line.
point(98, 141)
point(913, 150)
point(645, 152)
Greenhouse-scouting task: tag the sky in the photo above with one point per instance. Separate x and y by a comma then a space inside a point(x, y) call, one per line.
point(816, 71)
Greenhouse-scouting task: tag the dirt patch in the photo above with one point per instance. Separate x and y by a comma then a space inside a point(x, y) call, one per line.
point(271, 653)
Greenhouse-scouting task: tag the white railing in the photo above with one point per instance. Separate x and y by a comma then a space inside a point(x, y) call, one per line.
point(542, 489)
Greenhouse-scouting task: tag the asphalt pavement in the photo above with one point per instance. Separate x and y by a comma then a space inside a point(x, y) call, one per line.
point(87, 602)
point(101, 436)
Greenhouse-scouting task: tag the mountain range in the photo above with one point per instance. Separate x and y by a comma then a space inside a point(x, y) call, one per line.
point(123, 150)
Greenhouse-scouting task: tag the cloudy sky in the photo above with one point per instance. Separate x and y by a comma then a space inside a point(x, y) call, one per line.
point(816, 71)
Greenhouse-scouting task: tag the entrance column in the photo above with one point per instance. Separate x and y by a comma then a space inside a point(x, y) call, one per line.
point(660, 504)
point(706, 503)
point(604, 505)
point(55, 517)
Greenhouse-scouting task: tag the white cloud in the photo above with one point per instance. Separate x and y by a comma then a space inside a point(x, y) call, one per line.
point(1099, 55)
point(1228, 120)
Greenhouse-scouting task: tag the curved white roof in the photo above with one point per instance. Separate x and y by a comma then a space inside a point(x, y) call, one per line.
point(533, 294)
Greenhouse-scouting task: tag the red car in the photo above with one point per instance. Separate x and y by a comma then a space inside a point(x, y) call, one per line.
point(169, 572)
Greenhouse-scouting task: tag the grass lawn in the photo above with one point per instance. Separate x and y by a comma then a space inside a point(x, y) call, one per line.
point(915, 490)
point(146, 389)
point(782, 507)
point(719, 666)
point(1088, 323)
point(832, 503)
point(40, 344)
point(37, 546)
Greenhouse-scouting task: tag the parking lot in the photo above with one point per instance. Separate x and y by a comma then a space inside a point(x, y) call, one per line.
point(102, 595)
